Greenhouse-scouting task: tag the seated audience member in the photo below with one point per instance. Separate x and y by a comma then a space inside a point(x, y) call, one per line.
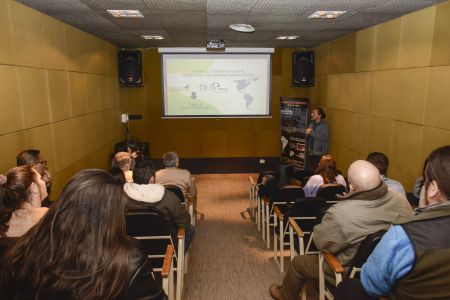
point(173, 175)
point(367, 208)
point(80, 249)
point(33, 158)
point(326, 173)
point(144, 194)
point(381, 161)
point(412, 260)
point(21, 193)
point(124, 161)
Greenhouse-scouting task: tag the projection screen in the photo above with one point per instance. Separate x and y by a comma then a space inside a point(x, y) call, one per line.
point(216, 85)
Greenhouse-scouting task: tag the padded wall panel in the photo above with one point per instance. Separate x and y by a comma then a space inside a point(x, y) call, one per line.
point(440, 54)
point(34, 92)
point(365, 50)
point(342, 54)
point(11, 118)
point(28, 35)
point(10, 145)
point(432, 139)
point(438, 99)
point(59, 93)
point(411, 85)
point(387, 44)
point(78, 93)
point(6, 36)
point(77, 49)
point(384, 93)
point(322, 58)
point(416, 38)
point(407, 137)
point(381, 133)
point(333, 90)
point(93, 91)
point(355, 91)
point(54, 50)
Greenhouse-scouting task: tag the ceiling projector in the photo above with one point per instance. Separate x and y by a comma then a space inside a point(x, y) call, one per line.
point(215, 45)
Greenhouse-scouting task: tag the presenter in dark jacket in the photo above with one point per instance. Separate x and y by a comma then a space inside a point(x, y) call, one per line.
point(80, 250)
point(317, 134)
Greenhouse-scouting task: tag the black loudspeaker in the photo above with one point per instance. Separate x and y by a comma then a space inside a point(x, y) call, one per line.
point(303, 68)
point(130, 68)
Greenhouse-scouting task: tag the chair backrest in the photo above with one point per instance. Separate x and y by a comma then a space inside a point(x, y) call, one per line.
point(152, 229)
point(307, 207)
point(329, 191)
point(177, 191)
point(365, 249)
point(288, 194)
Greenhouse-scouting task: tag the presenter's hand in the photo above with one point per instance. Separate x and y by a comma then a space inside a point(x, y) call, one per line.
point(309, 131)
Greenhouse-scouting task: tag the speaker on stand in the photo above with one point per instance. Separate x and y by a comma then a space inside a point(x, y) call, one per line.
point(303, 68)
point(130, 68)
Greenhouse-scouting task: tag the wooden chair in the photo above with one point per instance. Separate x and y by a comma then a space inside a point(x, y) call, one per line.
point(365, 249)
point(282, 197)
point(154, 232)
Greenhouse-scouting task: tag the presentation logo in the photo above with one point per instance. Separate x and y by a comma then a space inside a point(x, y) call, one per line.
point(215, 87)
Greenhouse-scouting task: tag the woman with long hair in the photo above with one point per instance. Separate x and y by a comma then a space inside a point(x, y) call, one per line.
point(21, 193)
point(80, 249)
point(325, 173)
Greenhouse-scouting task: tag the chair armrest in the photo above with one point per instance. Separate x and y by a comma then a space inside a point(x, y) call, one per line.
point(297, 229)
point(190, 200)
point(333, 262)
point(181, 232)
point(277, 211)
point(266, 200)
point(252, 181)
point(167, 264)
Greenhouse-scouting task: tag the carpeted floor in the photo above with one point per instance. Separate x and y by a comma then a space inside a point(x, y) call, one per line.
point(228, 258)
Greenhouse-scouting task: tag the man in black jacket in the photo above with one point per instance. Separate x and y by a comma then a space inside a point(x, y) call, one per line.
point(144, 194)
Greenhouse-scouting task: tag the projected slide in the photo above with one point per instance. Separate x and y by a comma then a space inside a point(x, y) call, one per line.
point(216, 85)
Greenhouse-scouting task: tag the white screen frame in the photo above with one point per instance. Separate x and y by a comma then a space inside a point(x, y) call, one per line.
point(259, 53)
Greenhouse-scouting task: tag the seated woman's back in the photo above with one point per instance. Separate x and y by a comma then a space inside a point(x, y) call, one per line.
point(21, 193)
point(79, 250)
point(325, 173)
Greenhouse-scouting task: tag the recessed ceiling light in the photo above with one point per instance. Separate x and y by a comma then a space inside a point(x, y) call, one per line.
point(242, 27)
point(289, 37)
point(152, 37)
point(118, 13)
point(327, 14)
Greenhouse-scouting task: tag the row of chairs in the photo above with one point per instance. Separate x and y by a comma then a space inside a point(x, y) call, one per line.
point(154, 232)
point(293, 221)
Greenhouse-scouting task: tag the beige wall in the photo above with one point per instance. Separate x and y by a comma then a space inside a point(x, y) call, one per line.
point(387, 89)
point(59, 93)
point(195, 138)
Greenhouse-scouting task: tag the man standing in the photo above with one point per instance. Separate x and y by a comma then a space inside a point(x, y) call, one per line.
point(381, 161)
point(317, 134)
point(412, 259)
point(367, 208)
point(173, 175)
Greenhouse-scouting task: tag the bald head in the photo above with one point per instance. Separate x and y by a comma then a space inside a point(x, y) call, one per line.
point(363, 176)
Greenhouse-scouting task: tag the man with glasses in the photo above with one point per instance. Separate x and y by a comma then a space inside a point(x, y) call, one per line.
point(33, 158)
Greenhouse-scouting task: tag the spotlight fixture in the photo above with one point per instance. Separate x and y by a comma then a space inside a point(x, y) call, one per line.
point(152, 37)
point(118, 13)
point(326, 14)
point(242, 27)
